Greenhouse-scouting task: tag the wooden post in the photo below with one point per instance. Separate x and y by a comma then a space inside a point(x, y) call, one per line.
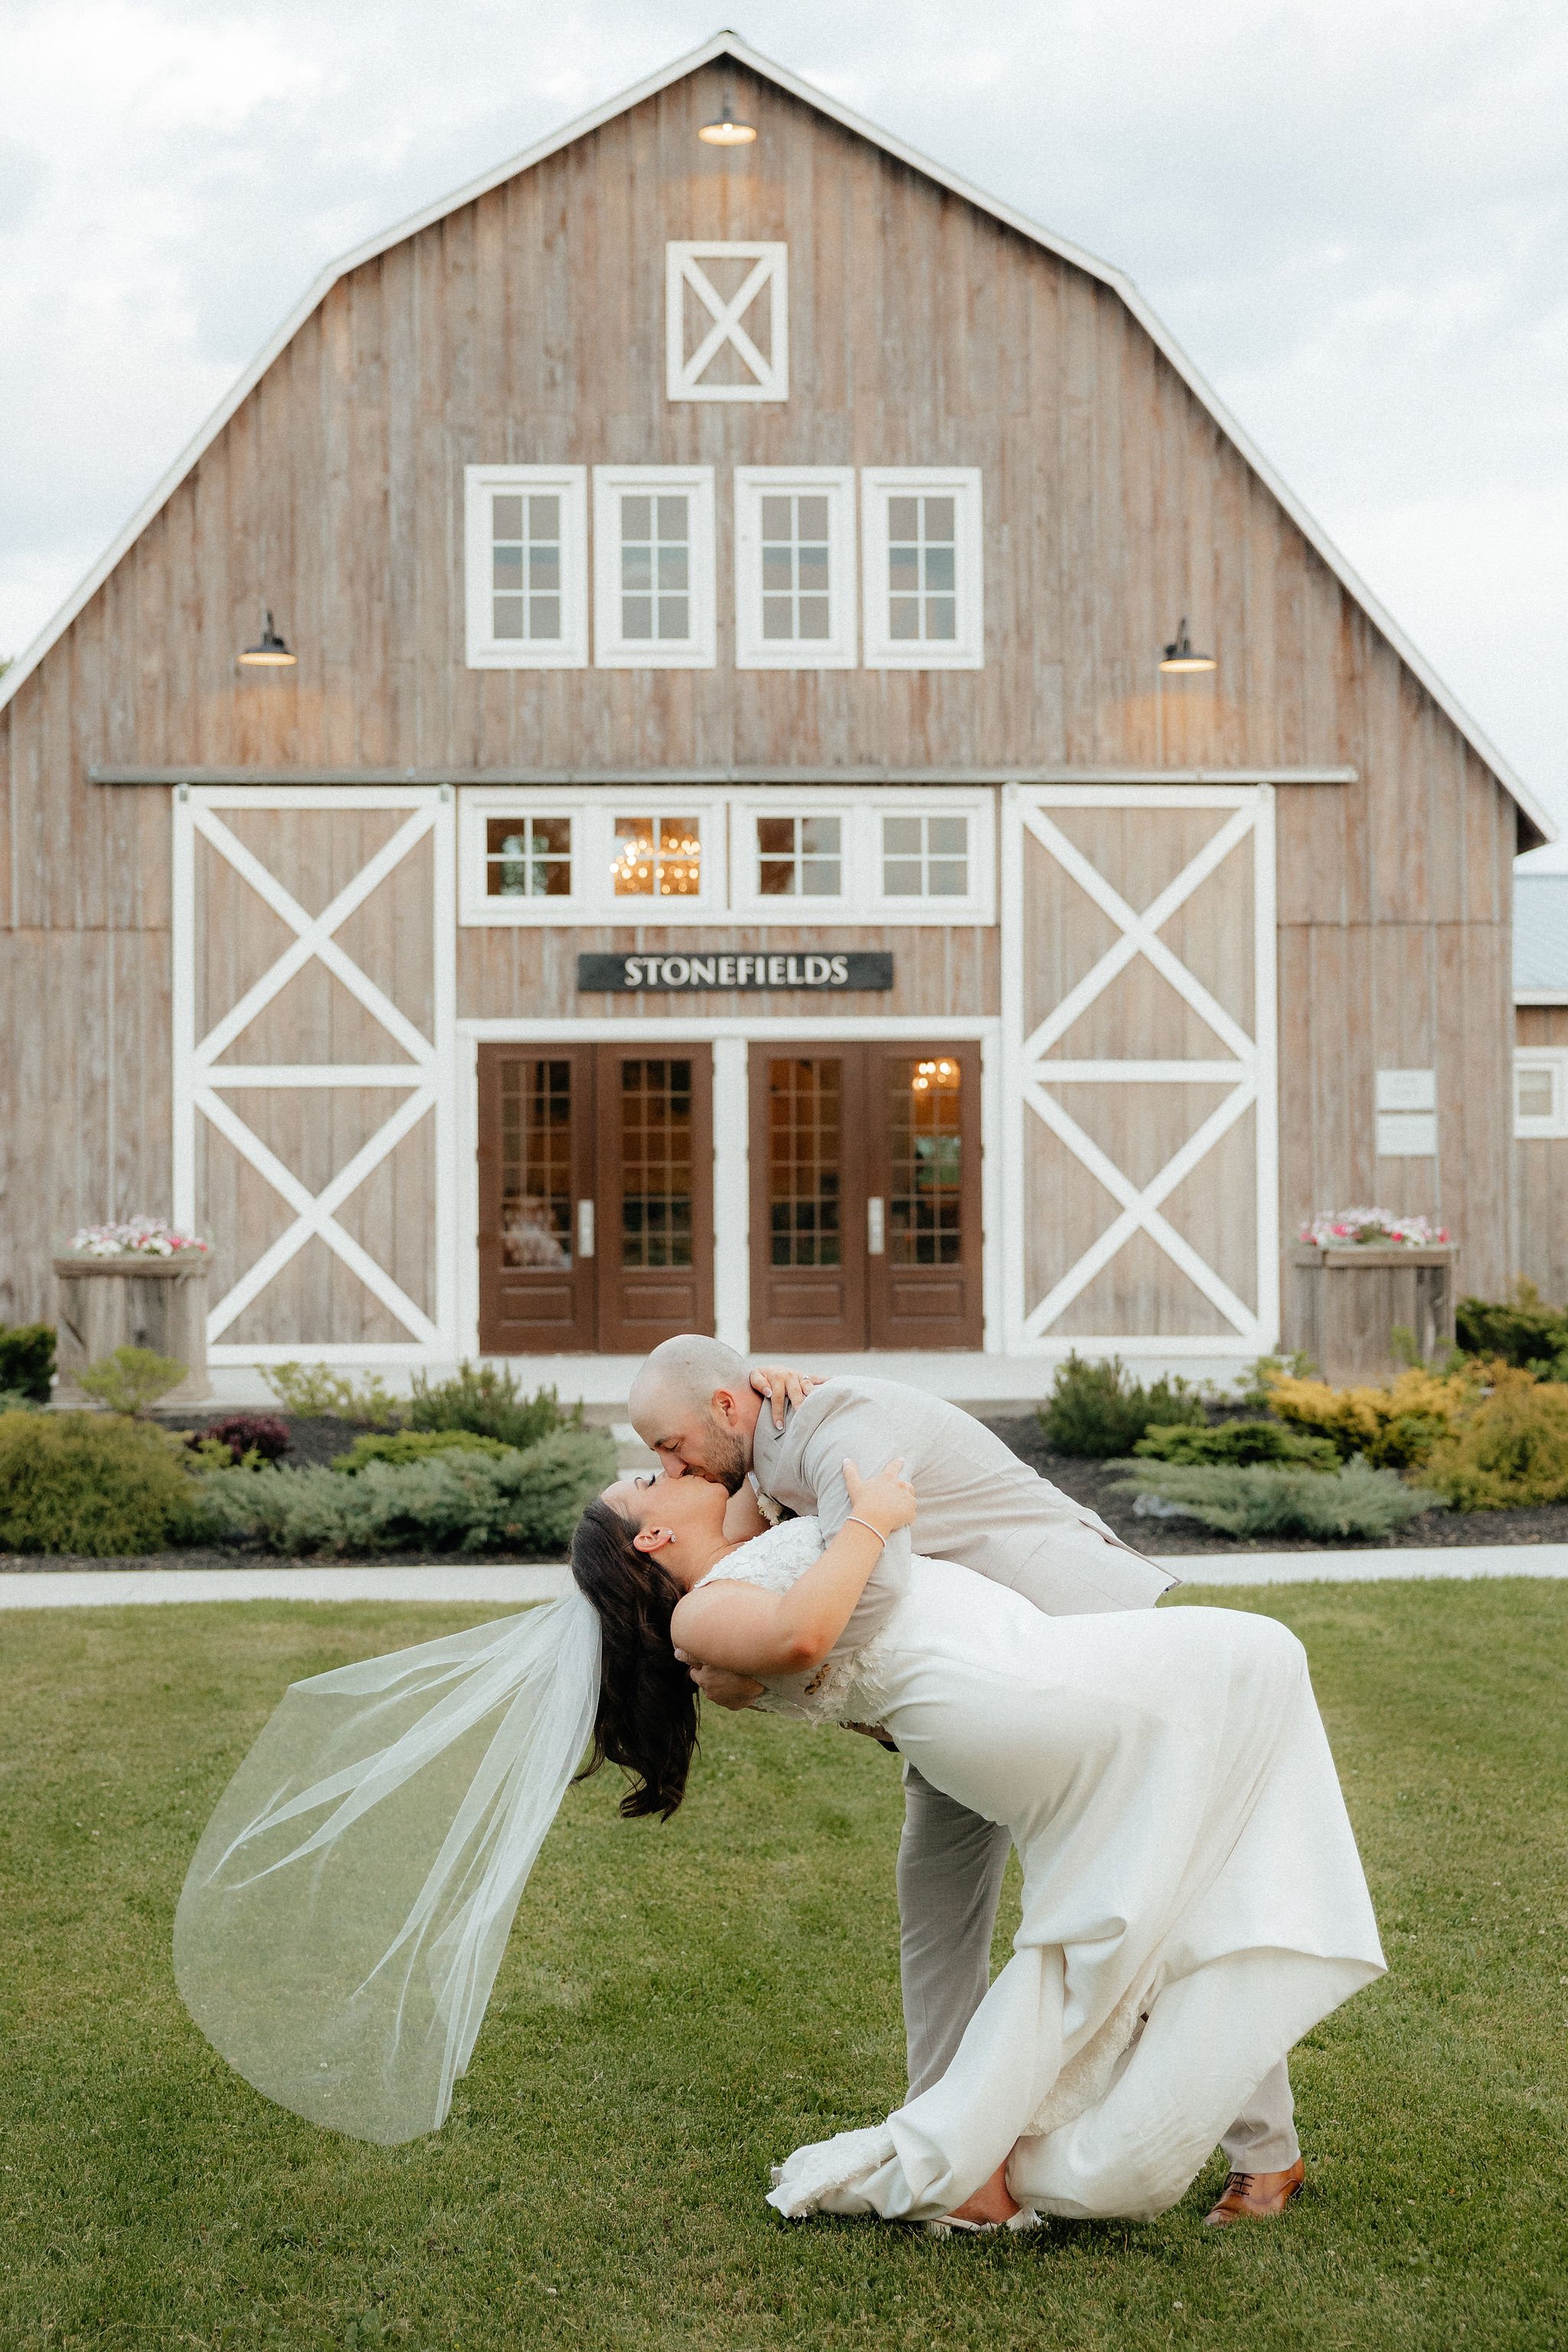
point(1348, 1302)
point(132, 1302)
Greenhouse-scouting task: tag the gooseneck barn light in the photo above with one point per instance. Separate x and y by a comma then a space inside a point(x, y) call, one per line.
point(726, 131)
point(269, 652)
point(1179, 658)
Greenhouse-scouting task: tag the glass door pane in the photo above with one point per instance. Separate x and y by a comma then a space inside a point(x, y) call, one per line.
point(656, 1195)
point(925, 1285)
point(536, 1161)
point(808, 1199)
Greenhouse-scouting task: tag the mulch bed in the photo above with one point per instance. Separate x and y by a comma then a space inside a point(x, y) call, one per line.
point(321, 1437)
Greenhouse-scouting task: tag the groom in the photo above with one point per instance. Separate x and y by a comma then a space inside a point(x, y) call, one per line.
point(696, 1404)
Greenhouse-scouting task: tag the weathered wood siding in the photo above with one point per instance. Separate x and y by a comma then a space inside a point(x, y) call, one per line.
point(529, 326)
point(1540, 1175)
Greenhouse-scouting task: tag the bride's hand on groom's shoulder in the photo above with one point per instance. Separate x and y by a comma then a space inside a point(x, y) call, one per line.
point(782, 1384)
point(725, 1689)
point(886, 1500)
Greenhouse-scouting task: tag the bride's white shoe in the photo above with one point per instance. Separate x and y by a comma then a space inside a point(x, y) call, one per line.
point(1026, 2218)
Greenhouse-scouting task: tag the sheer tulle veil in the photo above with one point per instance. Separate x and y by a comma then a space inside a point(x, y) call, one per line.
point(346, 1911)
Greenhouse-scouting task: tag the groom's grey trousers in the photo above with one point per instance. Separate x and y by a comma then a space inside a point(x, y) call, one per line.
point(950, 1882)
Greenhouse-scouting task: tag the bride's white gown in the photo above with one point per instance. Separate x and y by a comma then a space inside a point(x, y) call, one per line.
point(1193, 1900)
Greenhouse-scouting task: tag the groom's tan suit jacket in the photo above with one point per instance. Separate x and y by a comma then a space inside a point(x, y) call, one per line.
point(976, 1504)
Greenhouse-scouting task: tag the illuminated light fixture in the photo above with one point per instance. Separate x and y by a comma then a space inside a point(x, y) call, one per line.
point(1180, 658)
point(269, 652)
point(726, 131)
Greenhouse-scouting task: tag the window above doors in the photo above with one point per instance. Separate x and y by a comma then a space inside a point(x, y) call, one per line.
point(795, 567)
point(653, 567)
point(684, 854)
point(526, 542)
point(920, 527)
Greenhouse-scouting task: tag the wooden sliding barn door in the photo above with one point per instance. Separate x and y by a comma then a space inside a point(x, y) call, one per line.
point(1138, 1025)
point(314, 956)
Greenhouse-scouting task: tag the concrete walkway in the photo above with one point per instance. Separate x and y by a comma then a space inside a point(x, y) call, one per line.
point(511, 1586)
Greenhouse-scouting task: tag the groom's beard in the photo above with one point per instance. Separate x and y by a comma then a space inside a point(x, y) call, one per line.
point(725, 1462)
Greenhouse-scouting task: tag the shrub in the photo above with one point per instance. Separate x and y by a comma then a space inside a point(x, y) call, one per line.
point(1395, 1427)
point(316, 1389)
point(414, 1445)
point(456, 1500)
point(17, 1401)
point(1521, 1330)
point(28, 1359)
point(1509, 1451)
point(1239, 1443)
point(131, 1379)
point(1276, 1499)
point(488, 1402)
point(1096, 1408)
point(259, 1433)
point(87, 1483)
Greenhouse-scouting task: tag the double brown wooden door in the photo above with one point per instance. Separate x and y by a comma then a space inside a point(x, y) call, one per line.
point(595, 1198)
point(864, 1197)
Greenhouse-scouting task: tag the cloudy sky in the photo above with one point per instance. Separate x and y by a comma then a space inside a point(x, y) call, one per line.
point(1353, 214)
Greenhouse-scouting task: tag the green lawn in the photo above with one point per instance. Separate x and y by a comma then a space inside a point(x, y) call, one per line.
point(682, 2005)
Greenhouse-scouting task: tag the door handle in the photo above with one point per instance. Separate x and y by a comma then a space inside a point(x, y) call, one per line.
point(584, 1229)
point(876, 1227)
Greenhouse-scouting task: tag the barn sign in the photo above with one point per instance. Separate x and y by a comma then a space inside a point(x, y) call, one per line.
point(733, 968)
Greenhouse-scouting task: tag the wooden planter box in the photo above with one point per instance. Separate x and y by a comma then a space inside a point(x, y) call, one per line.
point(132, 1302)
point(1347, 1303)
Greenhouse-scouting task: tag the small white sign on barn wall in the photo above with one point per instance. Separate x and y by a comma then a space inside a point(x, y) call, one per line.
point(1406, 1114)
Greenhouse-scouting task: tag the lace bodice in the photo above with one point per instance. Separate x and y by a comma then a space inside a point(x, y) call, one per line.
point(775, 1561)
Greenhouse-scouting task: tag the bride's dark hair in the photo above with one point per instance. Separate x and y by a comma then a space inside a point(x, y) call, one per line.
point(647, 1718)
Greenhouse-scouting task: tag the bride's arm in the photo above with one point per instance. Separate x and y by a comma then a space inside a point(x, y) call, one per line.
point(752, 1631)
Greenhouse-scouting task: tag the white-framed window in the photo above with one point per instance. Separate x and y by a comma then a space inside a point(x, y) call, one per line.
point(1405, 1106)
point(795, 567)
point(864, 855)
point(922, 555)
point(593, 856)
point(1541, 1093)
point(653, 567)
point(726, 310)
point(526, 566)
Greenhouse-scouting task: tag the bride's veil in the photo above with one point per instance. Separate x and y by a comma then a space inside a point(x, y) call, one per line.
point(347, 1908)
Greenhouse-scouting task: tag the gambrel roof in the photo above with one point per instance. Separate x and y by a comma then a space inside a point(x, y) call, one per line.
point(729, 44)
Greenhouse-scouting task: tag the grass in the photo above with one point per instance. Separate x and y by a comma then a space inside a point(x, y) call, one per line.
point(682, 2005)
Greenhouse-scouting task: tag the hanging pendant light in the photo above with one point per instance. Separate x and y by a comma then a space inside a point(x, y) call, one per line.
point(727, 131)
point(269, 652)
point(1179, 658)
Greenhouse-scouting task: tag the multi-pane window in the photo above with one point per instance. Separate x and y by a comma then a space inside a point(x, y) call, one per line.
point(795, 567)
point(1540, 1094)
point(923, 571)
point(806, 1151)
point(536, 1163)
point(925, 856)
point(656, 857)
point(656, 1163)
point(655, 568)
point(925, 1201)
point(525, 566)
point(800, 856)
point(528, 857)
point(527, 569)
point(923, 549)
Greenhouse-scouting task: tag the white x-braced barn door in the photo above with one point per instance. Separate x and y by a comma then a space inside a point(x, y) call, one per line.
point(1138, 1011)
point(313, 977)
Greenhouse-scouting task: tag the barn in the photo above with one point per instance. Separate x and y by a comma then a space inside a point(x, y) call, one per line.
point(722, 734)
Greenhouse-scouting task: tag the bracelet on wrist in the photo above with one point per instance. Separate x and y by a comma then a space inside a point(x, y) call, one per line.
point(854, 1520)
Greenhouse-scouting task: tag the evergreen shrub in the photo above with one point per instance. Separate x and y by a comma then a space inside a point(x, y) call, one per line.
point(316, 1390)
point(28, 1359)
point(97, 1484)
point(131, 1379)
point(1239, 1444)
point(1396, 1427)
point(1521, 1330)
point(488, 1402)
point(1510, 1453)
point(1286, 1499)
point(460, 1499)
point(399, 1446)
point(1097, 1410)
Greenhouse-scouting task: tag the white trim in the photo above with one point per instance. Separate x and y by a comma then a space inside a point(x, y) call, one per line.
point(726, 44)
point(1551, 1126)
point(698, 649)
point(862, 901)
point(837, 649)
point(966, 650)
point(731, 1193)
point(484, 649)
point(684, 370)
point(1033, 1080)
point(671, 1030)
point(201, 1082)
point(1541, 996)
point(592, 815)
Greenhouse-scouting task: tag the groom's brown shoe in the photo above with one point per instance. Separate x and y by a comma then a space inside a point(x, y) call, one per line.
point(1253, 2196)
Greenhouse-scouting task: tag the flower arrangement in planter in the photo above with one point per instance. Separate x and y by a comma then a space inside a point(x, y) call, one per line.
point(136, 1237)
point(1372, 1229)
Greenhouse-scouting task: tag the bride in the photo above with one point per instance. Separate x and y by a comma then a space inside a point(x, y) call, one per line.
point(1193, 1900)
